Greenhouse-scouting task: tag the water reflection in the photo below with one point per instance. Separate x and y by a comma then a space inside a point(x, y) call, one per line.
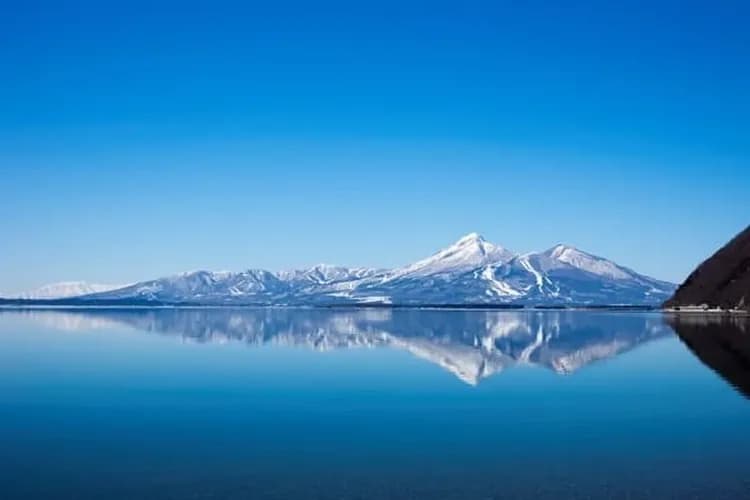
point(470, 344)
point(721, 342)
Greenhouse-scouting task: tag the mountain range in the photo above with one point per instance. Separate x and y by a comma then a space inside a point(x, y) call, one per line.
point(470, 271)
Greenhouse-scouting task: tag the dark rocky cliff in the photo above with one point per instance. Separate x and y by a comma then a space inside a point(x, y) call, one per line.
point(723, 280)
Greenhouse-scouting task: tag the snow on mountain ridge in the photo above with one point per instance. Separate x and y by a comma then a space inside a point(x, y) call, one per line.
point(324, 274)
point(200, 285)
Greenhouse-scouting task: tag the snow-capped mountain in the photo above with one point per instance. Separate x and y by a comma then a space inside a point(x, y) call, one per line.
point(64, 290)
point(485, 273)
point(470, 271)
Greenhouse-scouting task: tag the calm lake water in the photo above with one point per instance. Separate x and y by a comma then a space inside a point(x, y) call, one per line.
point(371, 404)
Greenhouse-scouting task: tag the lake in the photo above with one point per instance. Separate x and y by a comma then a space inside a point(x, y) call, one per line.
point(372, 404)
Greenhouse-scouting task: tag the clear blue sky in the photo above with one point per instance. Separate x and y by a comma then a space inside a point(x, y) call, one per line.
point(138, 141)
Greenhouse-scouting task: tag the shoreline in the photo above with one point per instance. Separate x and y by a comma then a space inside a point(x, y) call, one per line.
point(460, 307)
point(62, 305)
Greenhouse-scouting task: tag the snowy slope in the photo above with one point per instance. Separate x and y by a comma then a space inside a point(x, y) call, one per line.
point(327, 278)
point(589, 263)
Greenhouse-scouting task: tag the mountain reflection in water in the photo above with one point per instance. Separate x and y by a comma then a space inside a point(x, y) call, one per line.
point(470, 344)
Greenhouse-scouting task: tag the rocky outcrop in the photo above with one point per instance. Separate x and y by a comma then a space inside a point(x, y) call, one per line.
point(722, 281)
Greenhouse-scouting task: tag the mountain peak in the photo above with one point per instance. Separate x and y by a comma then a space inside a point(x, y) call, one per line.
point(469, 252)
point(587, 262)
point(561, 250)
point(474, 243)
point(474, 250)
point(470, 238)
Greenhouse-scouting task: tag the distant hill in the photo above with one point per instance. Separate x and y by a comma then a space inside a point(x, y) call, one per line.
point(723, 280)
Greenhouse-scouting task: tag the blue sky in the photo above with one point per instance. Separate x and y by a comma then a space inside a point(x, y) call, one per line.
point(138, 141)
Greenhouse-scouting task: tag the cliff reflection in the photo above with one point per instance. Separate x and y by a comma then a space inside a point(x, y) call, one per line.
point(721, 342)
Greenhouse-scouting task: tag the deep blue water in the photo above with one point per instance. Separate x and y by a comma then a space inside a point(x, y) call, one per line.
point(365, 404)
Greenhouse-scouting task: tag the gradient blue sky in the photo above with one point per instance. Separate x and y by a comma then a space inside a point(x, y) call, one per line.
point(138, 141)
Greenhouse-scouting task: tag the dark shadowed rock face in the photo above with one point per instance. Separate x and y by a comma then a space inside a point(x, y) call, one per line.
point(721, 281)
